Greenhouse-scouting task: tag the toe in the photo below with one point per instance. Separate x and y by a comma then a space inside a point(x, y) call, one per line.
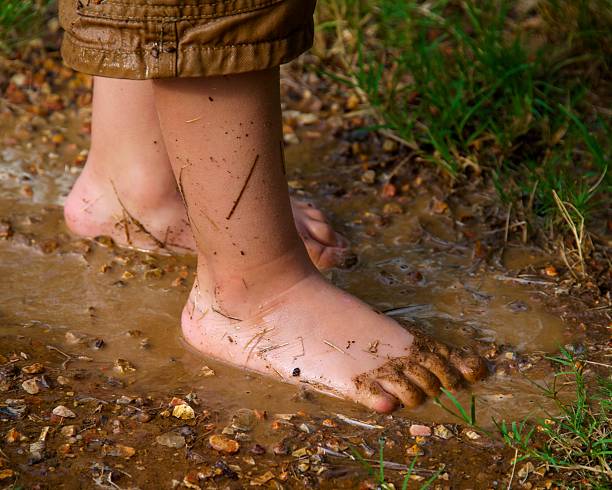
point(402, 388)
point(371, 394)
point(321, 232)
point(447, 375)
point(423, 378)
point(472, 367)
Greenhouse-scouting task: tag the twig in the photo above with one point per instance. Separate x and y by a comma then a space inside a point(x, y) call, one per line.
point(327, 342)
point(246, 181)
point(513, 468)
point(260, 352)
point(194, 119)
point(223, 314)
point(358, 423)
point(138, 224)
point(67, 356)
point(598, 364)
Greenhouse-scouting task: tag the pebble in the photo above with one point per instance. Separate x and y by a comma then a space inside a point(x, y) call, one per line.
point(63, 381)
point(442, 432)
point(183, 412)
point(392, 208)
point(368, 177)
point(68, 430)
point(170, 439)
point(223, 444)
point(470, 434)
point(35, 368)
point(420, 430)
point(31, 386)
point(62, 411)
point(13, 436)
point(244, 420)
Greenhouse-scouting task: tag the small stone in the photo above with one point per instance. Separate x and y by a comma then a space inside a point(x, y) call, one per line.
point(223, 444)
point(306, 428)
point(37, 450)
point(262, 479)
point(68, 431)
point(551, 271)
point(258, 449)
point(206, 372)
point(143, 417)
point(352, 102)
point(470, 434)
point(389, 146)
point(329, 423)
point(438, 206)
point(13, 436)
point(368, 177)
point(420, 430)
point(123, 366)
point(62, 411)
point(31, 386)
point(442, 432)
point(74, 338)
point(392, 208)
point(170, 439)
point(62, 381)
point(414, 450)
point(119, 450)
point(183, 412)
point(244, 420)
point(6, 473)
point(35, 368)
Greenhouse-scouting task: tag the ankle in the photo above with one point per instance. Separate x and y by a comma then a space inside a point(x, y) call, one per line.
point(244, 292)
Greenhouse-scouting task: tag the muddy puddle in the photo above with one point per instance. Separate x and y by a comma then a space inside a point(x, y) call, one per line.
point(61, 291)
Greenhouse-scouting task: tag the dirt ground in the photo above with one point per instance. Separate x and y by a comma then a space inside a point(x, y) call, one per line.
point(97, 390)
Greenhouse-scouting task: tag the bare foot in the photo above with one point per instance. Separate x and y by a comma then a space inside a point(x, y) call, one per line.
point(153, 220)
point(315, 334)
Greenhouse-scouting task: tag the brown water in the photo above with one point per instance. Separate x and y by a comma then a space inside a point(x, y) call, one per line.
point(433, 283)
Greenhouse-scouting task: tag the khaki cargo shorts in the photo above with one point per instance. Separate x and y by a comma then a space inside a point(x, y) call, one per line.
point(140, 39)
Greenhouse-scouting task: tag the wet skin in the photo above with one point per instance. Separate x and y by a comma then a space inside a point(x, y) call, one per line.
point(258, 302)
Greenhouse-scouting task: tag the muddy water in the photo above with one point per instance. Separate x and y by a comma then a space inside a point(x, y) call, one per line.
point(432, 283)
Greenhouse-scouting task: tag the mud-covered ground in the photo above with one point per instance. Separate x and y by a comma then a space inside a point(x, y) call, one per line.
point(97, 389)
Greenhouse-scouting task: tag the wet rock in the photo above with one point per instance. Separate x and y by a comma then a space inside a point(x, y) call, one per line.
point(368, 177)
point(6, 474)
point(183, 412)
point(123, 366)
point(62, 411)
point(68, 430)
point(392, 208)
point(171, 439)
point(13, 436)
point(442, 432)
point(119, 450)
point(35, 368)
point(75, 338)
point(244, 420)
point(31, 386)
point(262, 479)
point(470, 434)
point(414, 450)
point(37, 452)
point(143, 417)
point(420, 430)
point(223, 444)
point(306, 428)
point(258, 449)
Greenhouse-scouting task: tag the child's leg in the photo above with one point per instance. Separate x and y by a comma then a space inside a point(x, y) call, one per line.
point(258, 301)
point(127, 150)
point(127, 161)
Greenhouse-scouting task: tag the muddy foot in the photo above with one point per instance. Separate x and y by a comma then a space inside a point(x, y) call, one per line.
point(318, 335)
point(154, 222)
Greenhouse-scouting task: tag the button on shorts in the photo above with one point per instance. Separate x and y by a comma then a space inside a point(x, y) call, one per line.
point(143, 39)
